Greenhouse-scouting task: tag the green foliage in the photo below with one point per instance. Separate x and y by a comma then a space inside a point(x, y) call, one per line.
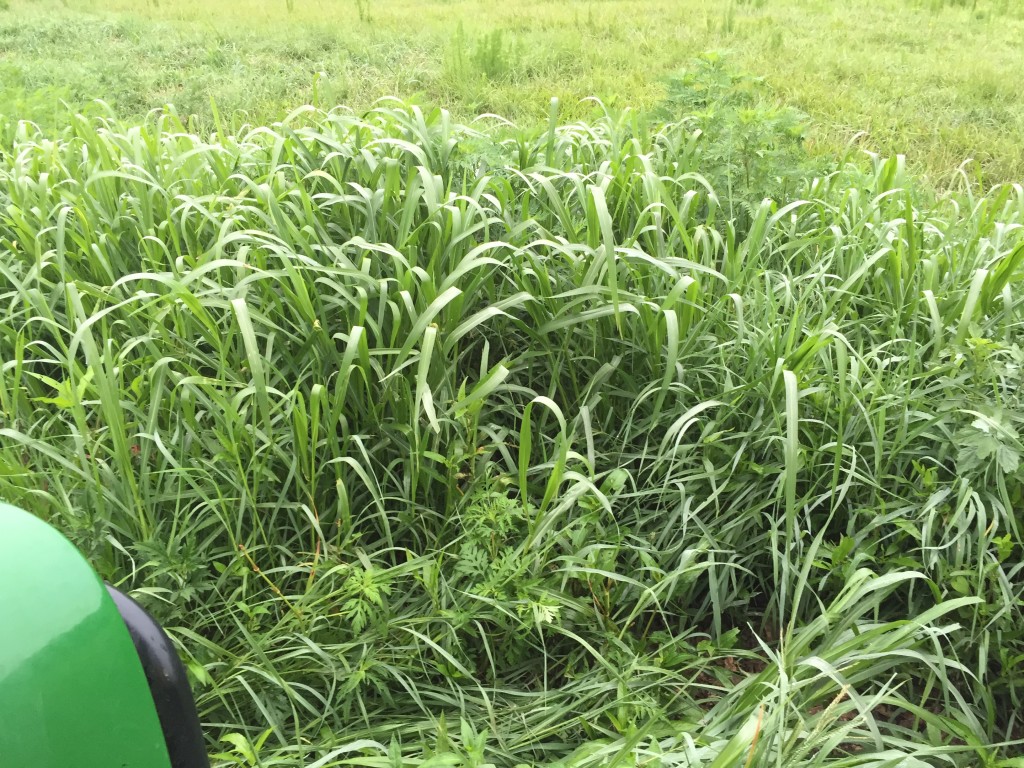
point(495, 56)
point(473, 68)
point(990, 443)
point(753, 144)
point(442, 446)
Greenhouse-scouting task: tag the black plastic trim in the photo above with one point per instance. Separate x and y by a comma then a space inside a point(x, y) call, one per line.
point(168, 684)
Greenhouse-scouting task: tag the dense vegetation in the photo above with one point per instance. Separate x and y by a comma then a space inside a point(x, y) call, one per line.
point(436, 445)
point(688, 436)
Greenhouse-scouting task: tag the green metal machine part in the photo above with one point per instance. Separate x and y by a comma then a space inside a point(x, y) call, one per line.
point(75, 688)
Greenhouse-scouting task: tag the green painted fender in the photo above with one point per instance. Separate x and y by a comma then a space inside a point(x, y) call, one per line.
point(72, 689)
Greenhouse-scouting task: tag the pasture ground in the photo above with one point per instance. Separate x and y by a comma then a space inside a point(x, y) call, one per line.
point(935, 80)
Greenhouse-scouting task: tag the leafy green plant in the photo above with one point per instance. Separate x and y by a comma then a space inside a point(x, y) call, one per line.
point(491, 58)
point(753, 143)
point(496, 56)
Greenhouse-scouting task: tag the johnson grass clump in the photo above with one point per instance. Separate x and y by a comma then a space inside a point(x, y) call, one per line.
point(448, 445)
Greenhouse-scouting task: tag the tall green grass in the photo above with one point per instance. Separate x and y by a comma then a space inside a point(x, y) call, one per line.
point(441, 445)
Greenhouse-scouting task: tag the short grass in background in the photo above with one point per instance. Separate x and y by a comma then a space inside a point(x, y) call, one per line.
point(935, 80)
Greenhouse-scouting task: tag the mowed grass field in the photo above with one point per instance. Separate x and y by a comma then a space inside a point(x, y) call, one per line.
point(680, 436)
point(933, 79)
